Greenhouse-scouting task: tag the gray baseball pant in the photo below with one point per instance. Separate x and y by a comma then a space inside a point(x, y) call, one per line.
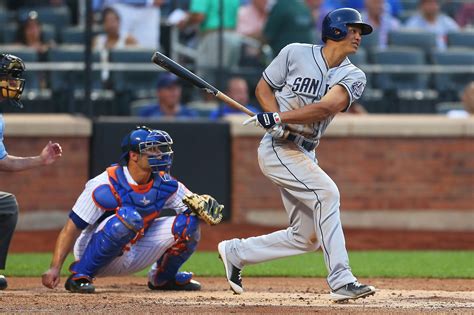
point(8, 219)
point(311, 200)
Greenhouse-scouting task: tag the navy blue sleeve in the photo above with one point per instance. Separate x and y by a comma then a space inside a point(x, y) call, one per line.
point(81, 224)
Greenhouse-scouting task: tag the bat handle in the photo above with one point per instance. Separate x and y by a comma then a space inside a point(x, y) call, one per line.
point(234, 103)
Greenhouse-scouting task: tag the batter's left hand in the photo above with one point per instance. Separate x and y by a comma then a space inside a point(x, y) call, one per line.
point(265, 120)
point(51, 152)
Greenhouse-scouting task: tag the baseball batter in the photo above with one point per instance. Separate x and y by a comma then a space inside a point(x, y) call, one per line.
point(115, 228)
point(301, 91)
point(11, 89)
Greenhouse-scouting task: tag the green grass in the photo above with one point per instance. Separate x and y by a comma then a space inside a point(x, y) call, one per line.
point(389, 264)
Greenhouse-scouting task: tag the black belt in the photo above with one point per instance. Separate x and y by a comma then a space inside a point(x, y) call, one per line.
point(301, 141)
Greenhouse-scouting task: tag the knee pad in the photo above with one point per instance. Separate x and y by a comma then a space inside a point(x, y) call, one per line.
point(186, 228)
point(108, 243)
point(125, 224)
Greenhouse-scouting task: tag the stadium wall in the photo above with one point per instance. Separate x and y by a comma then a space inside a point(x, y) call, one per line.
point(413, 172)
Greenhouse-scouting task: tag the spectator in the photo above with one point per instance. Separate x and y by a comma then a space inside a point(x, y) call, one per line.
point(465, 15)
point(252, 18)
point(431, 19)
point(238, 90)
point(168, 94)
point(140, 19)
point(467, 100)
point(30, 34)
point(205, 13)
point(382, 21)
point(318, 12)
point(289, 21)
point(112, 38)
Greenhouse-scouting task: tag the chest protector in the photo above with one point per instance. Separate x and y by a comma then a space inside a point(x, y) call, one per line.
point(147, 200)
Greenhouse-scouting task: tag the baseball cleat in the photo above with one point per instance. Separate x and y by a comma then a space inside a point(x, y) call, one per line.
point(80, 285)
point(3, 282)
point(352, 291)
point(233, 274)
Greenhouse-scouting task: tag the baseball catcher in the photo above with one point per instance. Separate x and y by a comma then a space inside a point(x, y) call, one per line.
point(114, 225)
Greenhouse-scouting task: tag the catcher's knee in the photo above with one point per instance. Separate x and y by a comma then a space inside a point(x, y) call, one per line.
point(186, 228)
point(124, 225)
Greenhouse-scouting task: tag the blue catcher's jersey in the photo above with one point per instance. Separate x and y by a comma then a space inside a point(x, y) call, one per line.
point(148, 199)
point(3, 151)
point(114, 188)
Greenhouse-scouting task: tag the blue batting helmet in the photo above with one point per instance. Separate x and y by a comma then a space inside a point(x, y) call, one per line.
point(335, 24)
point(11, 81)
point(155, 144)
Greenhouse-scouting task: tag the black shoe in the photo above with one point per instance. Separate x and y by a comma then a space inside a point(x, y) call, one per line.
point(352, 291)
point(80, 285)
point(192, 285)
point(3, 282)
point(232, 273)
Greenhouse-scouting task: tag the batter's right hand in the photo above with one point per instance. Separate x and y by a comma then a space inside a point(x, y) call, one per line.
point(50, 278)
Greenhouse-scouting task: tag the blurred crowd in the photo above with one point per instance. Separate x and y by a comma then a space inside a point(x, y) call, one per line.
point(253, 32)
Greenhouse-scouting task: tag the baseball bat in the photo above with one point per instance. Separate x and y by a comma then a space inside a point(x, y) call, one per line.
point(174, 67)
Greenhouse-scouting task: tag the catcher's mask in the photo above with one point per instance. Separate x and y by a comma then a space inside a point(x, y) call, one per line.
point(155, 144)
point(11, 81)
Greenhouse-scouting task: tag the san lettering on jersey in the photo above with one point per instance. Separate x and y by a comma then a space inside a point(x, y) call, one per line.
point(307, 86)
point(300, 76)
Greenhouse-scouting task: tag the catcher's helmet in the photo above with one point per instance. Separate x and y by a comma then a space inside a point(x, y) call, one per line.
point(156, 144)
point(335, 24)
point(11, 81)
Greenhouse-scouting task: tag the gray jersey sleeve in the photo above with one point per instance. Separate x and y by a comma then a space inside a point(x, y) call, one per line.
point(276, 72)
point(354, 82)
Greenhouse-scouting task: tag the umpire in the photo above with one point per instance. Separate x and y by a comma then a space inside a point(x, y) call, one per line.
point(11, 87)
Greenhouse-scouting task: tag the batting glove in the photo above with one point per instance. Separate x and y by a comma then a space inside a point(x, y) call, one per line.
point(278, 132)
point(265, 120)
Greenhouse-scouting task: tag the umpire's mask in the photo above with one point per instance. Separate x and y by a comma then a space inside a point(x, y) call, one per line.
point(11, 81)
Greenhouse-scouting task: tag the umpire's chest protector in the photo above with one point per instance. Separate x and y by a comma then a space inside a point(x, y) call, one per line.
point(147, 199)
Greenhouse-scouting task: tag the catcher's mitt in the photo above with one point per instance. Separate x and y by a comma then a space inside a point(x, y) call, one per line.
point(205, 206)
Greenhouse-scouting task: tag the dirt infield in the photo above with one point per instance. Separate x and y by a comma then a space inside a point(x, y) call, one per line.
point(262, 295)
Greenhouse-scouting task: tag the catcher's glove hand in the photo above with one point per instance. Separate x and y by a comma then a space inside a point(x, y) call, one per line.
point(205, 207)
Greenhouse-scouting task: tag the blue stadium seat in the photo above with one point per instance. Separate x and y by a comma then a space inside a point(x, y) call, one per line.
point(403, 56)
point(3, 16)
point(8, 33)
point(413, 38)
point(453, 82)
point(371, 41)
point(141, 84)
point(72, 35)
point(75, 35)
point(359, 58)
point(67, 80)
point(461, 39)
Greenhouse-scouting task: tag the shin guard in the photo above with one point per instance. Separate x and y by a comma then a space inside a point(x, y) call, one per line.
point(108, 243)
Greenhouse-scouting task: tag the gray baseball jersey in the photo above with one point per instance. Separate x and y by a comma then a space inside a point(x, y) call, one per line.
point(300, 76)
